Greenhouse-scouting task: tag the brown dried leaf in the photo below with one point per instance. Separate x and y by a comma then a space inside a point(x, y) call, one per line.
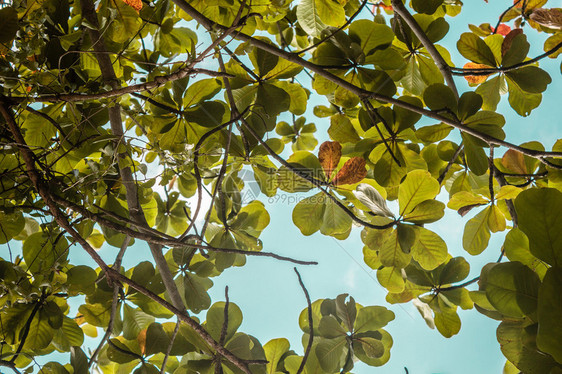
point(509, 38)
point(329, 156)
point(476, 79)
point(515, 162)
point(353, 171)
point(551, 18)
point(135, 4)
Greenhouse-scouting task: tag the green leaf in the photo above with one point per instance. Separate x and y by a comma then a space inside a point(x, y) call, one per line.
point(215, 320)
point(391, 279)
point(426, 212)
point(335, 220)
point(308, 213)
point(391, 252)
point(157, 340)
point(516, 248)
point(429, 249)
point(274, 351)
point(475, 49)
point(426, 6)
point(40, 255)
point(439, 97)
point(79, 361)
point(418, 186)
point(530, 78)
point(454, 271)
point(512, 288)
point(309, 18)
point(476, 233)
point(475, 156)
point(372, 318)
point(330, 12)
point(448, 323)
point(10, 225)
point(521, 101)
point(330, 328)
point(372, 347)
point(549, 334)
point(195, 291)
point(517, 51)
point(341, 129)
point(371, 35)
point(272, 99)
point(469, 104)
point(538, 212)
point(134, 320)
point(10, 27)
point(201, 90)
point(207, 113)
point(331, 353)
point(490, 92)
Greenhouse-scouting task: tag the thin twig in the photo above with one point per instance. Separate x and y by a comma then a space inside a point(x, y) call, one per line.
point(310, 324)
point(225, 323)
point(488, 71)
point(450, 163)
point(169, 350)
point(114, 302)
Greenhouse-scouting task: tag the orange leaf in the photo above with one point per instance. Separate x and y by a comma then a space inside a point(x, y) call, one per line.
point(135, 4)
point(329, 156)
point(475, 79)
point(503, 29)
point(514, 161)
point(141, 339)
point(353, 171)
point(509, 39)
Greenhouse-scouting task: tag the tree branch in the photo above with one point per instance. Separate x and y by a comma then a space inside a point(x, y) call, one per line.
point(310, 324)
point(135, 209)
point(399, 8)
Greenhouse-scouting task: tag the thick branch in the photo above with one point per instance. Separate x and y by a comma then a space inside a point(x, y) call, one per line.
point(116, 92)
point(182, 316)
point(135, 209)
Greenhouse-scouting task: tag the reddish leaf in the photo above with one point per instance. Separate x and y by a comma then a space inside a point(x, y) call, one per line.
point(514, 161)
point(329, 156)
point(135, 4)
point(508, 39)
point(502, 29)
point(475, 79)
point(353, 171)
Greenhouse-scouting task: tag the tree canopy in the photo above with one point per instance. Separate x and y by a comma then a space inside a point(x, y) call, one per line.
point(162, 123)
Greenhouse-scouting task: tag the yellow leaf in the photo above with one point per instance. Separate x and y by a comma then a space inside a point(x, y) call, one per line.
point(514, 161)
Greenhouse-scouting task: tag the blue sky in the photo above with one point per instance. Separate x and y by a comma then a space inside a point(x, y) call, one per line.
point(268, 291)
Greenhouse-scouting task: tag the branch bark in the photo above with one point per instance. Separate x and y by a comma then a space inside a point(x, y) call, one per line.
point(135, 209)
